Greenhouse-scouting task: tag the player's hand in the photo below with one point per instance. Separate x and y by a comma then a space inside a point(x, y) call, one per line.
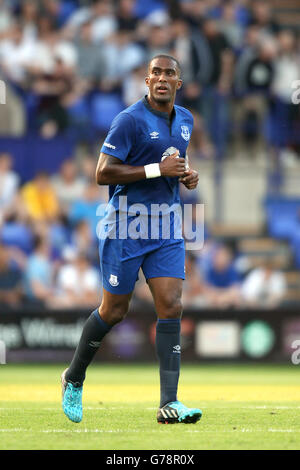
point(172, 166)
point(190, 179)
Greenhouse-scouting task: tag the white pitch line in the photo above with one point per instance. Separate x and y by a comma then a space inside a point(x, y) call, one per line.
point(49, 431)
point(57, 408)
point(112, 431)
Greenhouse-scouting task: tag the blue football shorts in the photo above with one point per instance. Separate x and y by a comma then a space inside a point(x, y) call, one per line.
point(120, 261)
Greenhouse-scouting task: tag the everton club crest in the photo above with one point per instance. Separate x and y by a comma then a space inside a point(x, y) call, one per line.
point(185, 133)
point(113, 280)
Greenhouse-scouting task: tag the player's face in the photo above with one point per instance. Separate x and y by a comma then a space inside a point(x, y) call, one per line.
point(163, 80)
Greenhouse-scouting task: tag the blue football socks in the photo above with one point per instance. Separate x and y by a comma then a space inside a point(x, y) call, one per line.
point(168, 352)
point(93, 332)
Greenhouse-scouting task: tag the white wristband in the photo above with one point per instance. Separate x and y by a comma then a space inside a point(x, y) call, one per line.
point(152, 170)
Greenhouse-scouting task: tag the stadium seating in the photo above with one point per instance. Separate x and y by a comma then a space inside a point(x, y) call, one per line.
point(17, 235)
point(142, 9)
point(282, 216)
point(32, 154)
point(104, 108)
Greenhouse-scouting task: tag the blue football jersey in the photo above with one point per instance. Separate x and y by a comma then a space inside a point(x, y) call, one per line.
point(140, 135)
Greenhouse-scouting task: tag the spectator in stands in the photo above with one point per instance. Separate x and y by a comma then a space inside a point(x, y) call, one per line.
point(285, 116)
point(213, 62)
point(16, 54)
point(125, 15)
point(212, 57)
point(193, 289)
point(9, 182)
point(287, 65)
point(104, 20)
point(134, 86)
point(52, 77)
point(77, 282)
point(39, 274)
point(51, 9)
point(83, 241)
point(181, 48)
point(232, 30)
point(6, 17)
point(264, 287)
point(193, 12)
point(158, 40)
point(80, 16)
point(68, 185)
point(201, 145)
point(256, 75)
point(15, 230)
point(222, 280)
point(104, 23)
point(122, 56)
point(52, 90)
point(40, 199)
point(88, 168)
point(10, 280)
point(86, 207)
point(91, 61)
point(29, 18)
point(263, 18)
point(253, 80)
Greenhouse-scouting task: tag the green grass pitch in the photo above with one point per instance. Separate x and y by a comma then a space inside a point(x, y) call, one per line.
point(244, 407)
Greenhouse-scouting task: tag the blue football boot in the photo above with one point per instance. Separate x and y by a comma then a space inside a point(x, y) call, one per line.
point(71, 399)
point(176, 412)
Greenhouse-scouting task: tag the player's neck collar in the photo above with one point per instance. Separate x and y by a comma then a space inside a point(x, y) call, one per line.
point(158, 113)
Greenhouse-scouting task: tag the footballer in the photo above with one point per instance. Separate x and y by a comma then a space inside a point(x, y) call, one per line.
point(143, 158)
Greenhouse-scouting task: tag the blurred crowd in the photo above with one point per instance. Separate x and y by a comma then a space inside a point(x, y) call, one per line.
point(219, 277)
point(48, 239)
point(49, 249)
point(71, 65)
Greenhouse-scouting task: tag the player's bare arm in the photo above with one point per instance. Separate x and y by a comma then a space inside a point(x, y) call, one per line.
point(110, 170)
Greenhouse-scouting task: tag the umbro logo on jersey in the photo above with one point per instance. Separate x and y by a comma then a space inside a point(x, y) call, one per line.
point(176, 349)
point(113, 280)
point(154, 135)
point(106, 144)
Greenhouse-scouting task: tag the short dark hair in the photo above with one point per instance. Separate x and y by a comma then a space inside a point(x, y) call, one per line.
point(166, 56)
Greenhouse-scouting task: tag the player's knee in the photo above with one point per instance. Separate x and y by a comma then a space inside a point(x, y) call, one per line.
point(115, 313)
point(118, 314)
point(170, 308)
